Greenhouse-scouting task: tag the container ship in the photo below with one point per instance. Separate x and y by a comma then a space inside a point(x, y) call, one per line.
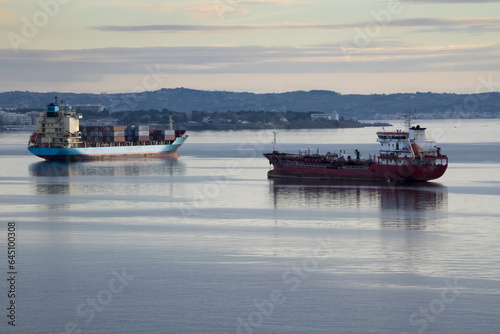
point(60, 137)
point(404, 156)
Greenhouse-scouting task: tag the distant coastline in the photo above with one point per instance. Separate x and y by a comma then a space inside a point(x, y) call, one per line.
point(197, 120)
point(288, 125)
point(241, 127)
point(231, 111)
point(377, 107)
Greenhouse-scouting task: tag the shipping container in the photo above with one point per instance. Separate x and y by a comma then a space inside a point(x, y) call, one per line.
point(114, 139)
point(115, 134)
point(169, 137)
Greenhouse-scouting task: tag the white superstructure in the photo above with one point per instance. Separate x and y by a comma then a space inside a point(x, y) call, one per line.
point(57, 127)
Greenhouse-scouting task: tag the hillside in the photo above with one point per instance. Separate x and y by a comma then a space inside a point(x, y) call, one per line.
point(427, 105)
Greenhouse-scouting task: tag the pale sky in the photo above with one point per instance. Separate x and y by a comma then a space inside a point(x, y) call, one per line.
point(349, 46)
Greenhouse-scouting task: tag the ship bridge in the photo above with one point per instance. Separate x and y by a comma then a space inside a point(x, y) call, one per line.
point(404, 148)
point(394, 143)
point(58, 127)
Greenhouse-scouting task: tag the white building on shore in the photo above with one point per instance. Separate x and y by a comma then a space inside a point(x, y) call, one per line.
point(16, 118)
point(325, 117)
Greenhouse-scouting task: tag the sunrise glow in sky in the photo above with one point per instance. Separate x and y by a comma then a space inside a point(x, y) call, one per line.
point(350, 46)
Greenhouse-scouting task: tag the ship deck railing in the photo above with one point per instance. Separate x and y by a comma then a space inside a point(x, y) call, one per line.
point(85, 144)
point(303, 164)
point(89, 144)
point(325, 166)
point(418, 161)
point(354, 167)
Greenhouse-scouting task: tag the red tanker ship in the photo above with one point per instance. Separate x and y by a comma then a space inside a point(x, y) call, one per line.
point(405, 156)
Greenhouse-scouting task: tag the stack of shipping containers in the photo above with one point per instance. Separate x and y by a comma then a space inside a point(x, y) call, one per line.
point(141, 132)
point(162, 135)
point(103, 134)
point(132, 133)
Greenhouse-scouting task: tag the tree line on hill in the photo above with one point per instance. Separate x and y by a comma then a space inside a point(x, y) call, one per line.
point(351, 106)
point(227, 120)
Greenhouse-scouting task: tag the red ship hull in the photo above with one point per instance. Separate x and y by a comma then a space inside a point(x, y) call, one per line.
point(297, 168)
point(404, 156)
point(381, 173)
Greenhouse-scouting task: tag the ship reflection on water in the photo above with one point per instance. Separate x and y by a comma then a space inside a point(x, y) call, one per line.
point(85, 177)
point(113, 168)
point(397, 205)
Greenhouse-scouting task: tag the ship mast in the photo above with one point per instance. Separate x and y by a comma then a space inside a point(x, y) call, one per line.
point(274, 141)
point(171, 122)
point(408, 118)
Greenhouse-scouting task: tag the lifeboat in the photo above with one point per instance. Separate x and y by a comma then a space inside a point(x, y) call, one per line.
point(415, 148)
point(33, 137)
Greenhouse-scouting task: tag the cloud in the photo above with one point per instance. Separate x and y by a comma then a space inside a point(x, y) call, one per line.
point(417, 22)
point(213, 28)
point(75, 65)
point(212, 5)
point(265, 2)
point(449, 1)
point(202, 6)
point(122, 69)
point(446, 24)
point(167, 7)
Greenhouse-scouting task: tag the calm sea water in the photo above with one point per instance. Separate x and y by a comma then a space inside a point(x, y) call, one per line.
point(207, 244)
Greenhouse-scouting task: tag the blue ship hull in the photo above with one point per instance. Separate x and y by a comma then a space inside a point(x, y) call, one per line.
point(108, 153)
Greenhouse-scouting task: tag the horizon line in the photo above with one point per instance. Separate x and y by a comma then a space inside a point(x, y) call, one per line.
point(247, 92)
